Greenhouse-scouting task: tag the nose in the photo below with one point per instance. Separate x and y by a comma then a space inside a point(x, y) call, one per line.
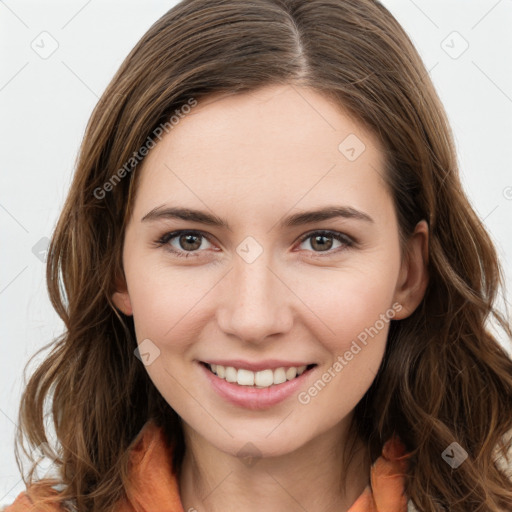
point(256, 303)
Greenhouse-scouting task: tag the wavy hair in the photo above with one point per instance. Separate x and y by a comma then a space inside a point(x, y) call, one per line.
point(444, 376)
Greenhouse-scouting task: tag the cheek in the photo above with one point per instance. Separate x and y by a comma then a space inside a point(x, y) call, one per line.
point(349, 302)
point(355, 316)
point(166, 302)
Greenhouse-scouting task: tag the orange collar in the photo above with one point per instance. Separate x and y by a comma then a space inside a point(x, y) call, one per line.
point(154, 486)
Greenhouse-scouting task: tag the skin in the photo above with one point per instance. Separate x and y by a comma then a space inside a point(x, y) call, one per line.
point(253, 159)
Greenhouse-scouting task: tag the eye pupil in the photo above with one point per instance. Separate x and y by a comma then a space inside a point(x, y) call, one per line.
point(321, 246)
point(189, 239)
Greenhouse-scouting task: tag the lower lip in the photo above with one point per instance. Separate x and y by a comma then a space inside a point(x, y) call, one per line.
point(255, 398)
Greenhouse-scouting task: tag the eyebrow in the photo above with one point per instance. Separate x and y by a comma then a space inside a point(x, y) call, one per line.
point(297, 219)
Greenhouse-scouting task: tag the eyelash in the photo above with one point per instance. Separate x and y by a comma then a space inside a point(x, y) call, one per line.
point(341, 237)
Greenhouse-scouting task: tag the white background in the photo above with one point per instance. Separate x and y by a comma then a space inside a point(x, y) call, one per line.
point(45, 104)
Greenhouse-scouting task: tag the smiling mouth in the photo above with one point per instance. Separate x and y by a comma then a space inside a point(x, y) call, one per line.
point(260, 379)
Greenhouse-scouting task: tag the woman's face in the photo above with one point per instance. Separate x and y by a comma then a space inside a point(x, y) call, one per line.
point(252, 279)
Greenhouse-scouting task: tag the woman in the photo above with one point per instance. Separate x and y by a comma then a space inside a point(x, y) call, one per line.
point(274, 288)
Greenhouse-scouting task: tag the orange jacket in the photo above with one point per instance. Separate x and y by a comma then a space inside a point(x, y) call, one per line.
point(154, 487)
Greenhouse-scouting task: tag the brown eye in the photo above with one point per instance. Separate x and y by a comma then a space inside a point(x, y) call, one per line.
point(189, 242)
point(183, 243)
point(323, 241)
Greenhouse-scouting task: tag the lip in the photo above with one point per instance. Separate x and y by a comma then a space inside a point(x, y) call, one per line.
point(255, 398)
point(271, 364)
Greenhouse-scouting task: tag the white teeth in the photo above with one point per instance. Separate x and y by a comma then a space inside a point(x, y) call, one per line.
point(279, 376)
point(291, 373)
point(245, 378)
point(231, 374)
point(264, 378)
point(261, 379)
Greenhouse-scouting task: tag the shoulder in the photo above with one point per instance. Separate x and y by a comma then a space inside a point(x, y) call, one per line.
point(150, 439)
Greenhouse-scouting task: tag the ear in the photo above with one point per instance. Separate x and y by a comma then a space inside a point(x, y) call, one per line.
point(413, 277)
point(121, 298)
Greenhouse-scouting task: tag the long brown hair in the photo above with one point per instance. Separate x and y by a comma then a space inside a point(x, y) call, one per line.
point(444, 377)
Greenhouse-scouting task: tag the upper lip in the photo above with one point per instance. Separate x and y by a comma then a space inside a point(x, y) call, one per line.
point(256, 366)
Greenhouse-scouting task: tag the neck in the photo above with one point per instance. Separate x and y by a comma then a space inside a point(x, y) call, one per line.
point(309, 478)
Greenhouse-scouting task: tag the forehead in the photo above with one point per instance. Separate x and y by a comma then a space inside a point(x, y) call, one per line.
point(277, 144)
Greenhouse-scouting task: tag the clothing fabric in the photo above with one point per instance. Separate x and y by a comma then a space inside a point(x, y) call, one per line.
point(154, 487)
